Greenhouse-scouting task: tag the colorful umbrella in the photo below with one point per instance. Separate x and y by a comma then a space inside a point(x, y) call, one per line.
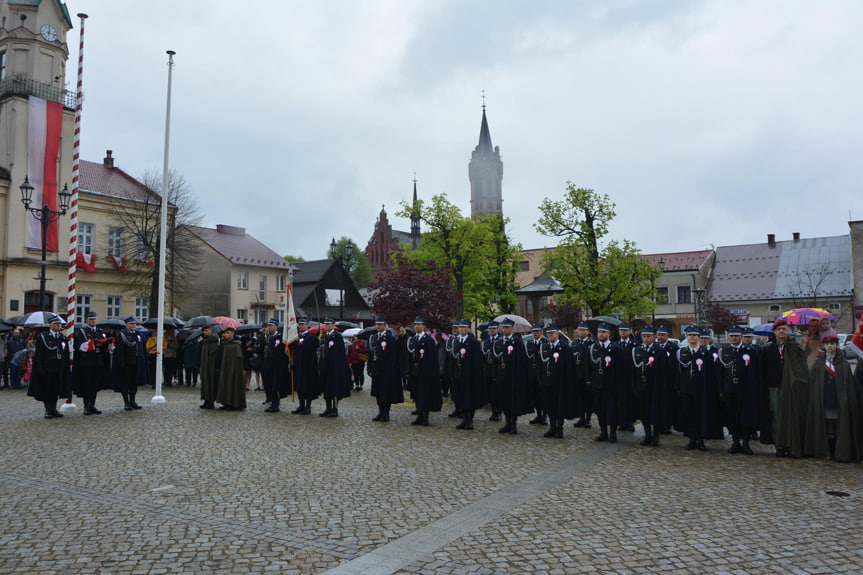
point(227, 322)
point(804, 315)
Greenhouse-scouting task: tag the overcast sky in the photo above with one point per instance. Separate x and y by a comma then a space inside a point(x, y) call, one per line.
point(707, 122)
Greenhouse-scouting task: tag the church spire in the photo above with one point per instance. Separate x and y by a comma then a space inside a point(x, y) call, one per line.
point(486, 174)
point(484, 135)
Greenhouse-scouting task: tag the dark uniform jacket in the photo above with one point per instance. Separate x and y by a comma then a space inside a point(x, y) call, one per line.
point(384, 353)
point(425, 373)
point(50, 379)
point(306, 381)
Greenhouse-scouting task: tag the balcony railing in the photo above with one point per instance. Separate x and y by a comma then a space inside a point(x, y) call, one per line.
point(18, 85)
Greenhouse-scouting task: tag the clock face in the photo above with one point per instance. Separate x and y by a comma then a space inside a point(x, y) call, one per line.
point(48, 32)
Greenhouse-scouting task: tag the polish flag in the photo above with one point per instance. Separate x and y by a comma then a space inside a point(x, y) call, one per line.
point(46, 126)
point(87, 262)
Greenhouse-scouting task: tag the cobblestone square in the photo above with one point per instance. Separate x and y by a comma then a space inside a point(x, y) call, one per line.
point(175, 489)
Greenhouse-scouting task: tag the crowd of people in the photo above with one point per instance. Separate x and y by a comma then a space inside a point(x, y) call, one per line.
point(800, 396)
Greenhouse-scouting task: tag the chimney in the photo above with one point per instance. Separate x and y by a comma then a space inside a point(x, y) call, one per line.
point(230, 230)
point(771, 240)
point(796, 236)
point(109, 160)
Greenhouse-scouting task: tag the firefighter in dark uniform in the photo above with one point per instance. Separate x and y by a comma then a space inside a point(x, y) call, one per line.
point(581, 373)
point(491, 368)
point(607, 374)
point(627, 407)
point(469, 389)
point(129, 363)
point(740, 386)
point(424, 372)
point(91, 362)
point(556, 380)
point(533, 374)
point(50, 379)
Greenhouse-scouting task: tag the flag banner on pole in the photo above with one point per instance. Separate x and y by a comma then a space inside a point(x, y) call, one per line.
point(291, 331)
point(43, 146)
point(86, 262)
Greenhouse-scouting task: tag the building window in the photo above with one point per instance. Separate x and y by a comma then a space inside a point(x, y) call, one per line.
point(242, 280)
point(262, 288)
point(115, 242)
point(775, 307)
point(834, 307)
point(281, 282)
point(241, 315)
point(115, 306)
point(141, 252)
point(83, 304)
point(2, 65)
point(280, 315)
point(85, 238)
point(684, 294)
point(524, 265)
point(662, 295)
point(142, 308)
point(261, 316)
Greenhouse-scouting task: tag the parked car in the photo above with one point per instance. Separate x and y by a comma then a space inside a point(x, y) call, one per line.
point(845, 345)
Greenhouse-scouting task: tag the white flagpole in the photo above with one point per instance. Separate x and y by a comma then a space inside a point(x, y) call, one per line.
point(163, 232)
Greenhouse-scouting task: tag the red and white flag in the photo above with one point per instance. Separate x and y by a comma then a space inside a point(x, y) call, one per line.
point(86, 262)
point(46, 127)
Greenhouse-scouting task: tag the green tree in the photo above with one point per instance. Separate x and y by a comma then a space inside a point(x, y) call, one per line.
point(601, 279)
point(480, 259)
point(294, 259)
point(357, 265)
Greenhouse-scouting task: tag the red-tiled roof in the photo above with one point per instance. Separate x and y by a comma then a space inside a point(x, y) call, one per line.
point(114, 182)
point(240, 248)
point(679, 261)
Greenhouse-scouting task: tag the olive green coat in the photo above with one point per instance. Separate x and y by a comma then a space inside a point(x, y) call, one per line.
point(849, 425)
point(208, 357)
point(232, 386)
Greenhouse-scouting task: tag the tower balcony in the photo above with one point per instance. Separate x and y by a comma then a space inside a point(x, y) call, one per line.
point(18, 85)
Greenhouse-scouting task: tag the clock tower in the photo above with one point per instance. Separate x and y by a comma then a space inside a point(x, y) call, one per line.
point(36, 133)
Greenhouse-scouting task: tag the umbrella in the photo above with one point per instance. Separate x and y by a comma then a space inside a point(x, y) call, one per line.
point(16, 320)
point(352, 332)
point(804, 315)
point(113, 322)
point(168, 322)
point(249, 327)
point(319, 326)
point(39, 319)
point(763, 329)
point(227, 321)
point(343, 325)
point(521, 324)
point(4, 326)
point(367, 332)
point(607, 319)
point(200, 321)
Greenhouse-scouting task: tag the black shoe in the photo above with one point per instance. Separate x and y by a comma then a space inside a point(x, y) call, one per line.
point(86, 410)
point(701, 446)
point(746, 449)
point(558, 430)
point(691, 445)
point(513, 429)
point(299, 410)
point(418, 420)
point(613, 437)
point(495, 416)
point(579, 422)
point(645, 441)
point(225, 407)
point(735, 448)
point(415, 412)
point(539, 420)
point(334, 412)
point(551, 432)
point(601, 437)
point(425, 419)
point(326, 412)
point(49, 415)
point(454, 414)
point(307, 410)
point(272, 409)
point(654, 441)
point(134, 405)
point(462, 425)
point(505, 428)
point(206, 405)
point(56, 413)
point(379, 416)
point(94, 411)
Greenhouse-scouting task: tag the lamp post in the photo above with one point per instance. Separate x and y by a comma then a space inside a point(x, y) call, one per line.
point(343, 259)
point(46, 216)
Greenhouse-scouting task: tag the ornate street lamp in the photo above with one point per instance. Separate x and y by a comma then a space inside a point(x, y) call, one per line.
point(46, 216)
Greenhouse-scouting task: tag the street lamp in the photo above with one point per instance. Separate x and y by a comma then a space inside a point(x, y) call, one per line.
point(343, 260)
point(46, 216)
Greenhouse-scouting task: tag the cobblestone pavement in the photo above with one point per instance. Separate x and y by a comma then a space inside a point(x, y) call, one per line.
point(174, 489)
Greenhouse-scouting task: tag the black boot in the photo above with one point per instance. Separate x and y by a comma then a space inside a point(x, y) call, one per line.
point(495, 415)
point(329, 408)
point(693, 444)
point(558, 430)
point(654, 439)
point(307, 410)
point(334, 412)
point(603, 434)
point(513, 425)
point(455, 413)
point(49, 410)
point(552, 428)
point(425, 422)
point(701, 446)
point(506, 425)
point(93, 410)
point(132, 401)
point(386, 413)
point(126, 405)
point(301, 408)
point(419, 419)
point(746, 449)
point(540, 418)
point(735, 445)
point(380, 414)
point(87, 408)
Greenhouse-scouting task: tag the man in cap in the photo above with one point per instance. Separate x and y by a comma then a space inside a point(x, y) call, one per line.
point(556, 381)
point(232, 386)
point(306, 381)
point(668, 372)
point(50, 379)
point(740, 385)
point(696, 387)
point(534, 365)
point(276, 368)
point(129, 363)
point(491, 342)
point(424, 372)
point(469, 390)
point(333, 369)
point(581, 373)
point(514, 393)
point(628, 406)
point(209, 363)
point(646, 360)
point(606, 380)
point(383, 367)
point(91, 362)
point(787, 376)
point(447, 369)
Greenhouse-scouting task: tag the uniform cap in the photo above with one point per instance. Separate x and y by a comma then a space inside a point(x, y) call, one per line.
point(663, 329)
point(507, 322)
point(331, 320)
point(779, 323)
point(56, 319)
point(584, 325)
point(604, 327)
point(536, 327)
point(551, 327)
point(624, 326)
point(493, 323)
point(92, 315)
point(273, 321)
point(130, 319)
point(648, 330)
point(735, 331)
point(419, 320)
point(692, 329)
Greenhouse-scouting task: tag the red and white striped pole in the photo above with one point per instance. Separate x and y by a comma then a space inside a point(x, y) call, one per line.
point(73, 204)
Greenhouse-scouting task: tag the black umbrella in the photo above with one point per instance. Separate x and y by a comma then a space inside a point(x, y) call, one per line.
point(168, 322)
point(200, 321)
point(16, 320)
point(4, 326)
point(343, 325)
point(607, 319)
point(249, 327)
point(367, 332)
point(113, 322)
